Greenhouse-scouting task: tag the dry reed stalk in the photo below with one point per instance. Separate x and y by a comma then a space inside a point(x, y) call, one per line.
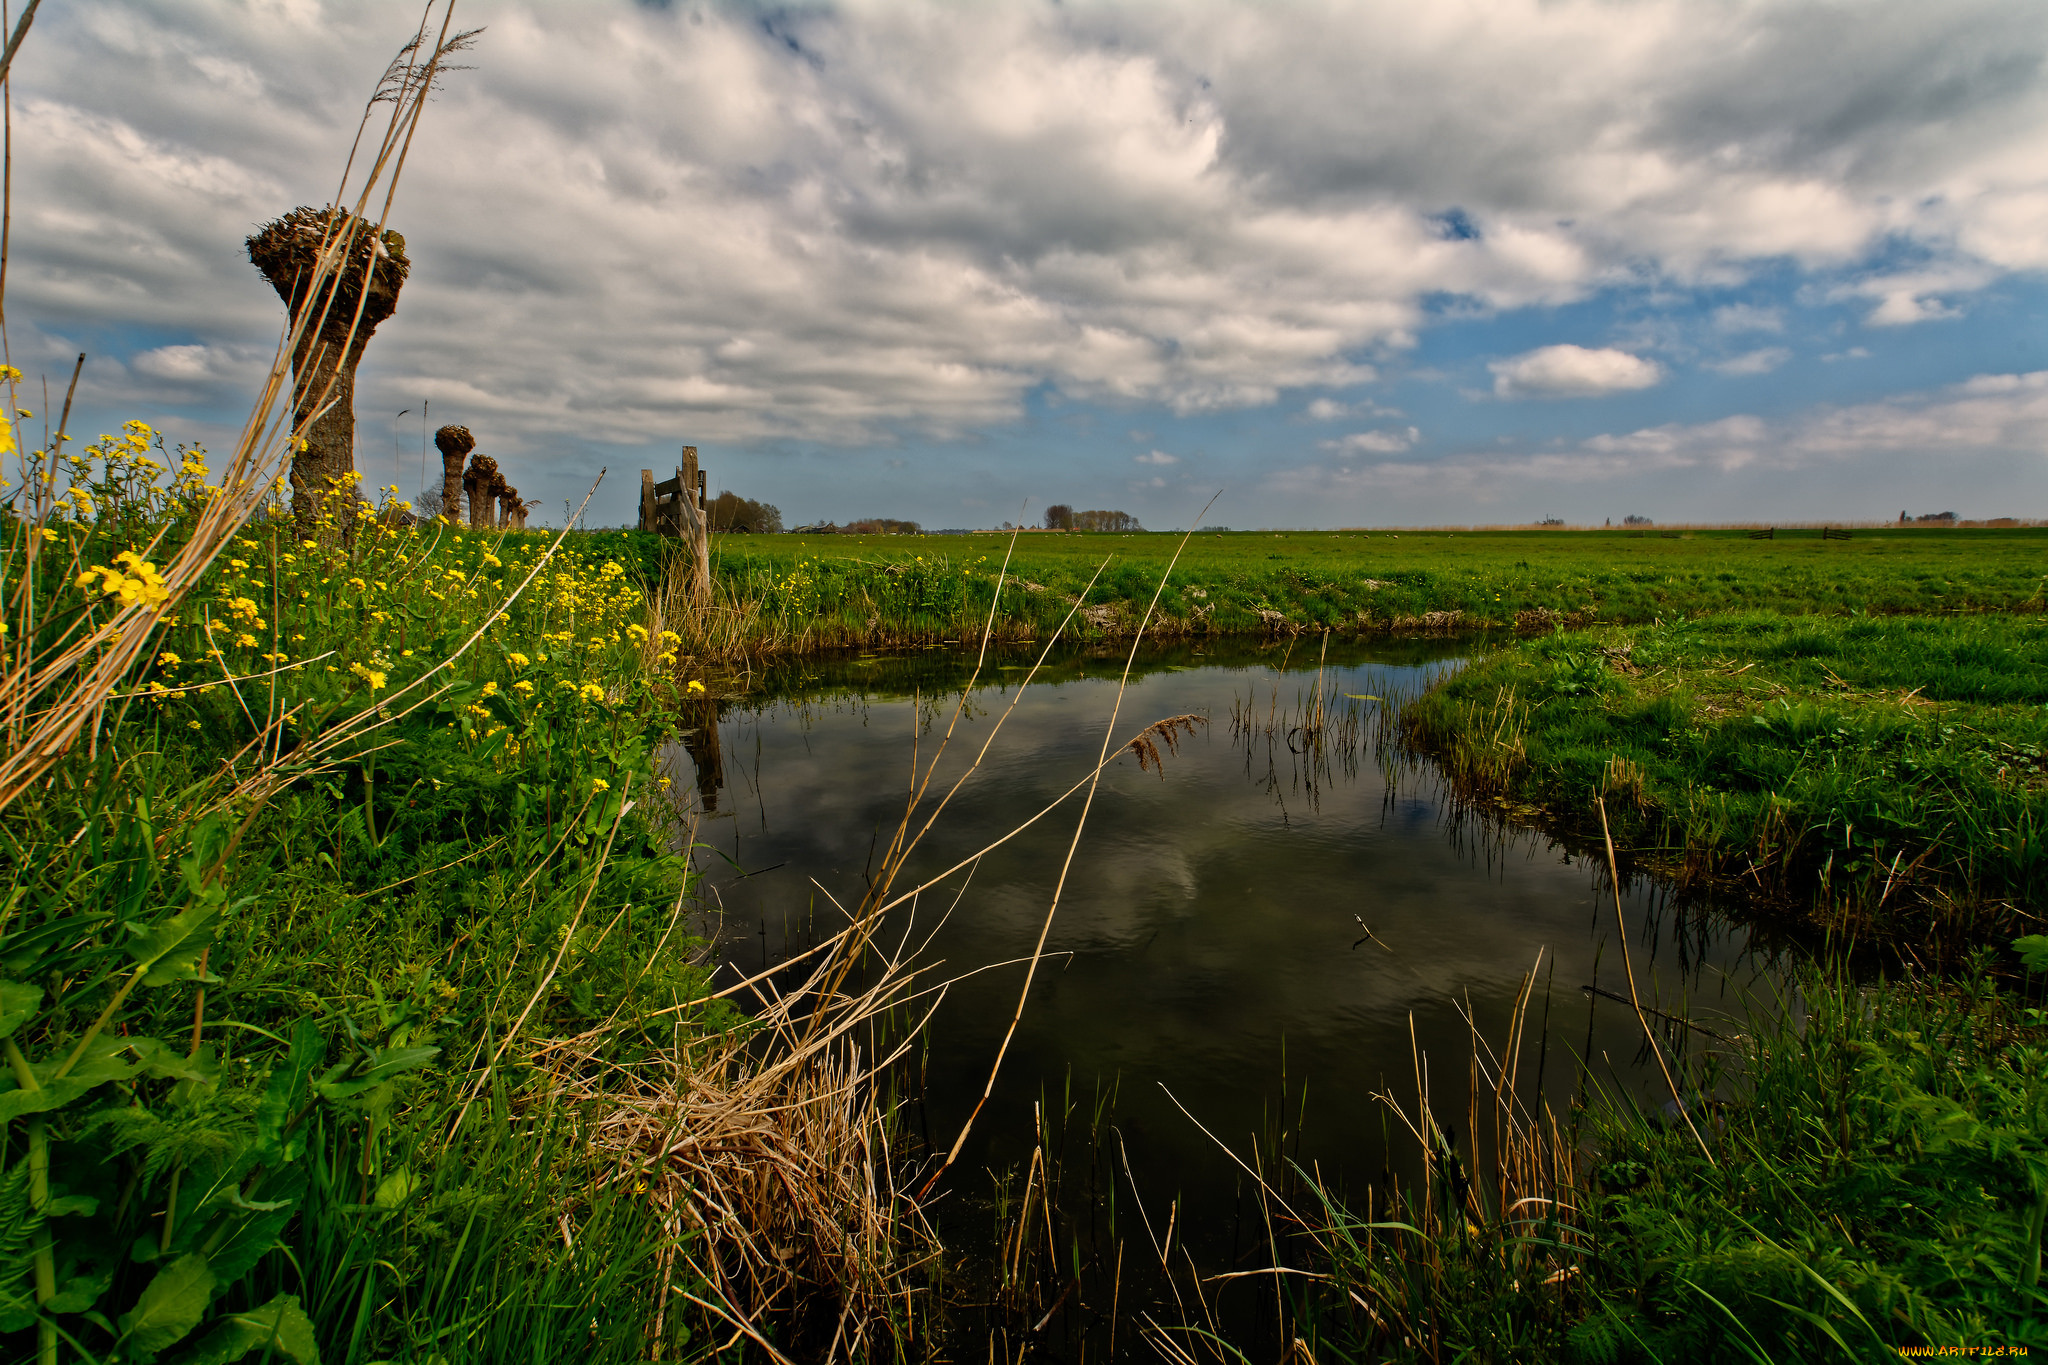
point(51, 692)
point(772, 1142)
point(1066, 865)
point(1628, 968)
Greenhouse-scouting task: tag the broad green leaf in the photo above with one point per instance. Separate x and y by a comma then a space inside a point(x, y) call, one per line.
point(2033, 951)
point(169, 1308)
point(396, 1188)
point(169, 1064)
point(209, 837)
point(105, 1060)
point(80, 1293)
point(288, 1083)
point(54, 1095)
point(170, 948)
point(251, 1239)
point(280, 1325)
point(18, 1002)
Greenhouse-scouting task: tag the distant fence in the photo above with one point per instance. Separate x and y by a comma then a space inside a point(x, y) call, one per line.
point(1831, 533)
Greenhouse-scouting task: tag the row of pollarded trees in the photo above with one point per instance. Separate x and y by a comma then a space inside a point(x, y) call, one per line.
point(1061, 517)
point(492, 501)
point(333, 325)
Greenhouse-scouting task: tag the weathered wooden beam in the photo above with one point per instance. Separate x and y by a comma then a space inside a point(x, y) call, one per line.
point(696, 531)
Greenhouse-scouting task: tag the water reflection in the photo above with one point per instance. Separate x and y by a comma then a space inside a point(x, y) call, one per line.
point(1265, 902)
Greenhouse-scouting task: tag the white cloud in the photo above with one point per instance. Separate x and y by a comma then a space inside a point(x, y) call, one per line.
point(845, 223)
point(2004, 412)
point(1157, 457)
point(1836, 455)
point(1760, 361)
point(1572, 372)
point(1373, 442)
point(1748, 317)
point(176, 362)
point(1330, 410)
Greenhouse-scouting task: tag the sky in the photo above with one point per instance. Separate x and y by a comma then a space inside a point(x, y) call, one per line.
point(1335, 264)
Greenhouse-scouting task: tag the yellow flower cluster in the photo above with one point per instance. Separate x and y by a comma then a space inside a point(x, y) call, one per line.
point(132, 580)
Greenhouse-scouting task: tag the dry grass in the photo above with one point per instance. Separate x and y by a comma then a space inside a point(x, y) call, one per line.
point(766, 1152)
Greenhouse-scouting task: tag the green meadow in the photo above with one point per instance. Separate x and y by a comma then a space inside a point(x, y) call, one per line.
point(809, 591)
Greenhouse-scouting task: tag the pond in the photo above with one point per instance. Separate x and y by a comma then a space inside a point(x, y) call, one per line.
point(1255, 925)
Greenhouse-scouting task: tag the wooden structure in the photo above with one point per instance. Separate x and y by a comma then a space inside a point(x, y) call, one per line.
point(676, 507)
point(1835, 533)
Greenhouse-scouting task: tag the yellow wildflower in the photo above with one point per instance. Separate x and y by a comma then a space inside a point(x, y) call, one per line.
point(598, 784)
point(696, 686)
point(522, 687)
point(517, 660)
point(133, 580)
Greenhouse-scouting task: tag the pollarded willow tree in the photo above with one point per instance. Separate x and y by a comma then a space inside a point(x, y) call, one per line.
point(340, 318)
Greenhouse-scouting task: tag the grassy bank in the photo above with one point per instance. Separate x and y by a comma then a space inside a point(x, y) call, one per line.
point(1879, 774)
point(339, 958)
point(797, 591)
point(1865, 1176)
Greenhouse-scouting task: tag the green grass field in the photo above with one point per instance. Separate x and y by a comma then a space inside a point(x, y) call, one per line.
point(1873, 774)
point(807, 591)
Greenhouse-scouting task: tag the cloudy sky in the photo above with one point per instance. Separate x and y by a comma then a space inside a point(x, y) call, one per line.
point(1349, 263)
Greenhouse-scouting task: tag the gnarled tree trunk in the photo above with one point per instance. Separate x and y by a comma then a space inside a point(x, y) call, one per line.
point(341, 315)
point(454, 443)
point(481, 483)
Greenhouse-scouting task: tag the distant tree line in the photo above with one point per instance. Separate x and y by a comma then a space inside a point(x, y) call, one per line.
point(731, 512)
point(866, 526)
point(1062, 517)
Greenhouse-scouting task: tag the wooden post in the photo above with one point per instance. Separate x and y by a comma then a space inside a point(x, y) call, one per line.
point(647, 500)
point(696, 535)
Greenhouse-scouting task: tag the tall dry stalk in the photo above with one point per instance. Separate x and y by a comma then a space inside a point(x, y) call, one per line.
point(56, 680)
point(771, 1143)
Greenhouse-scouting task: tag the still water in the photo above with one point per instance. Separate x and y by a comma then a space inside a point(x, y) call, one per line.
point(1210, 951)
